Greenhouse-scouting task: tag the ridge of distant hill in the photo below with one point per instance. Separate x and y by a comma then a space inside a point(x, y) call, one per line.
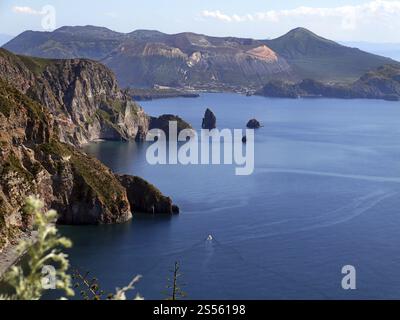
point(146, 58)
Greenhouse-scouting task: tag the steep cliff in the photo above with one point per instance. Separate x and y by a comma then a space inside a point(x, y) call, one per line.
point(83, 96)
point(34, 162)
point(145, 197)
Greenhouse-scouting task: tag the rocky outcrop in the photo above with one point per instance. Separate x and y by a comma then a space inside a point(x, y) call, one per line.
point(90, 96)
point(209, 120)
point(83, 96)
point(34, 162)
point(146, 198)
point(14, 71)
point(163, 121)
point(253, 124)
point(382, 83)
point(280, 89)
point(84, 190)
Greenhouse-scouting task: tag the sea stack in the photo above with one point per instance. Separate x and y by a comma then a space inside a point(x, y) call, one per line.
point(253, 124)
point(163, 121)
point(209, 120)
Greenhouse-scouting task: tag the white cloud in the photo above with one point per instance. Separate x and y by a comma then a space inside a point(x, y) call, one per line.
point(350, 17)
point(217, 15)
point(28, 10)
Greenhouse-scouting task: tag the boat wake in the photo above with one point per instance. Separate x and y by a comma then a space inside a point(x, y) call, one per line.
point(330, 174)
point(355, 208)
point(350, 211)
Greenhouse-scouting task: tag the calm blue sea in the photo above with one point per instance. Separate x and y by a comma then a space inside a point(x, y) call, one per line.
point(325, 193)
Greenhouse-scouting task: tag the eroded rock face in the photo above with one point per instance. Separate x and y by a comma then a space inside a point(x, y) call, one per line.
point(253, 124)
point(82, 95)
point(34, 162)
point(264, 53)
point(84, 190)
point(146, 198)
point(46, 108)
point(89, 94)
point(209, 120)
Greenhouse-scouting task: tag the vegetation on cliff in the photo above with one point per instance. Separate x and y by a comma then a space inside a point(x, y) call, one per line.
point(82, 95)
point(145, 197)
point(95, 189)
point(34, 161)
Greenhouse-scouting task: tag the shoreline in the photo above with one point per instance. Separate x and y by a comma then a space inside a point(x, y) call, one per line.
point(149, 94)
point(250, 92)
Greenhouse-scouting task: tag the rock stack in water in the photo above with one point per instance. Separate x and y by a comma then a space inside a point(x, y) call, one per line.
point(209, 120)
point(253, 124)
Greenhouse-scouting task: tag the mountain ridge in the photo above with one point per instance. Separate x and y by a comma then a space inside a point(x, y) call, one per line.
point(322, 59)
point(145, 58)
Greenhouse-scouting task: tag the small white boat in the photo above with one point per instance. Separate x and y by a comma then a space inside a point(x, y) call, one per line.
point(210, 238)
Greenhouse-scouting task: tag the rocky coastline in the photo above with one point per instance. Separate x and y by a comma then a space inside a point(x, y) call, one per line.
point(48, 109)
point(382, 83)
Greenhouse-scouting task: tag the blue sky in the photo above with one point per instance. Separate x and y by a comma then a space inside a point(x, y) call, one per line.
point(345, 20)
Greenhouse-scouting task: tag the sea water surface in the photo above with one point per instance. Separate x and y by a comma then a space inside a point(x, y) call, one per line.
point(325, 193)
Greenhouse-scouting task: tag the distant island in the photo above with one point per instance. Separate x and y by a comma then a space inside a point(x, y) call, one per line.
point(145, 58)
